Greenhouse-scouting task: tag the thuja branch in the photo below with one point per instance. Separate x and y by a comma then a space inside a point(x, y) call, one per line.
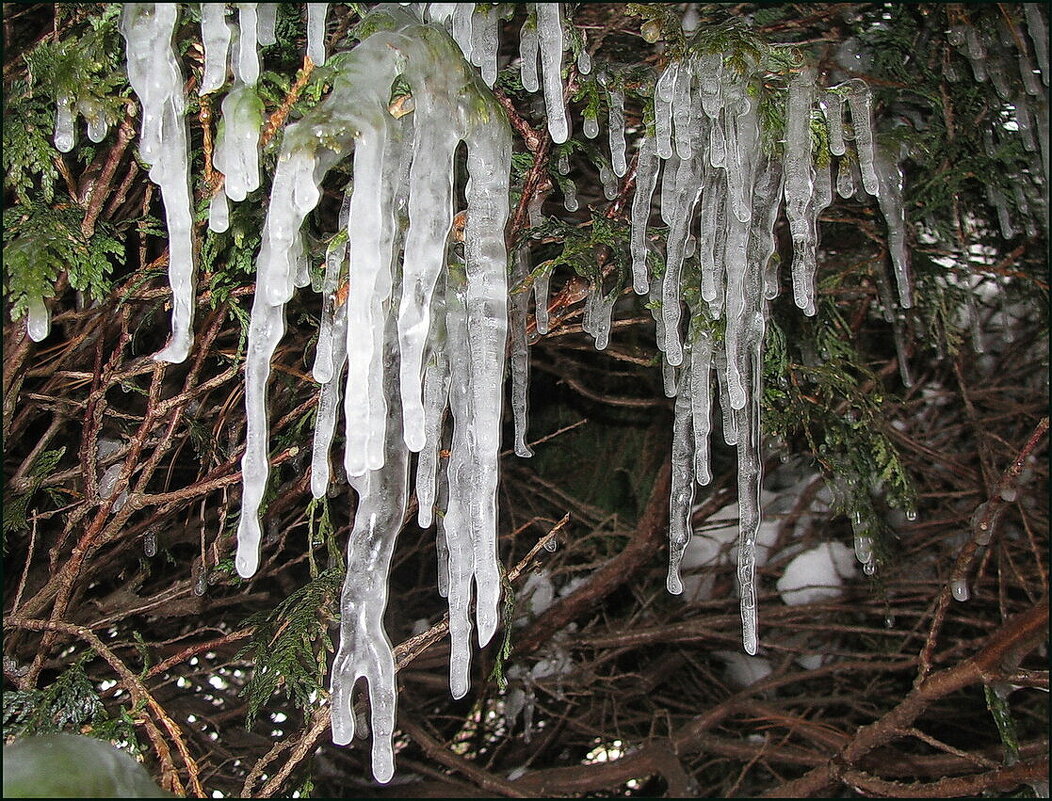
point(141, 696)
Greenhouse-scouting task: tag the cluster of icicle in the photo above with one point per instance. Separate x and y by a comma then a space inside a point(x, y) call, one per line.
point(475, 29)
point(720, 196)
point(990, 51)
point(414, 338)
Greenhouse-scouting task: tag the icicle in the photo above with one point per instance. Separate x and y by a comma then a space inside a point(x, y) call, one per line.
point(219, 213)
point(682, 202)
point(246, 64)
point(617, 132)
point(708, 224)
point(266, 23)
point(65, 132)
point(266, 327)
point(365, 651)
point(701, 404)
point(463, 14)
point(608, 180)
point(669, 189)
point(729, 419)
point(1000, 203)
point(584, 60)
point(845, 179)
point(520, 350)
point(550, 33)
point(528, 44)
point(890, 199)
point(750, 479)
point(316, 17)
point(742, 137)
point(436, 396)
point(324, 356)
point(399, 164)
point(92, 113)
point(668, 379)
point(663, 93)
point(833, 106)
point(766, 200)
point(975, 52)
point(237, 147)
point(155, 76)
point(861, 104)
point(38, 319)
point(570, 195)
point(996, 70)
point(486, 257)
point(646, 180)
point(591, 125)
point(329, 400)
point(215, 36)
point(709, 69)
point(1035, 25)
point(654, 304)
point(371, 232)
point(1025, 124)
point(484, 42)
point(681, 499)
point(602, 318)
point(682, 109)
point(799, 187)
point(540, 300)
point(430, 218)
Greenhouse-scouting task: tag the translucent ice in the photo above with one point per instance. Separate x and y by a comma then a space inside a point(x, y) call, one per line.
point(38, 319)
point(550, 33)
point(617, 132)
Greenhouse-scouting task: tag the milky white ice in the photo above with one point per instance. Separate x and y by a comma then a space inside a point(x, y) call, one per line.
point(316, 16)
point(157, 79)
point(215, 37)
point(414, 334)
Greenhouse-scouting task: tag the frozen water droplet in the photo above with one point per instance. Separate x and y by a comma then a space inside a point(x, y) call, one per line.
point(959, 590)
point(38, 320)
point(149, 543)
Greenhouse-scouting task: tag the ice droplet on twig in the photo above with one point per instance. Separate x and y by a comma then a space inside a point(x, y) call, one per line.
point(65, 133)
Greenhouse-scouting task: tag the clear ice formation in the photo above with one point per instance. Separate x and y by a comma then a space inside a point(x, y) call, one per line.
point(412, 339)
point(706, 146)
point(550, 36)
point(157, 79)
point(410, 334)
